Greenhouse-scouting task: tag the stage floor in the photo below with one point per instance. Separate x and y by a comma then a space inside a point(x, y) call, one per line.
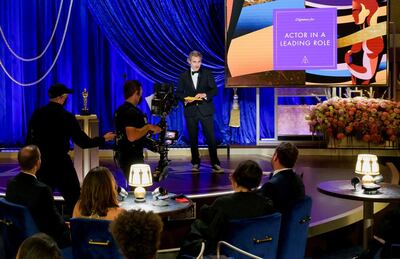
point(314, 168)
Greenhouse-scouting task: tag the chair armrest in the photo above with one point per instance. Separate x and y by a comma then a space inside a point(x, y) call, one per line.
point(177, 249)
point(235, 249)
point(203, 246)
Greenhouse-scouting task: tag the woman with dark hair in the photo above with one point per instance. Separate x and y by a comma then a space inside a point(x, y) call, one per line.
point(98, 197)
point(40, 246)
point(243, 203)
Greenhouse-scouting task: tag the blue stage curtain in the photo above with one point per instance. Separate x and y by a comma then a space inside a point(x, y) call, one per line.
point(106, 41)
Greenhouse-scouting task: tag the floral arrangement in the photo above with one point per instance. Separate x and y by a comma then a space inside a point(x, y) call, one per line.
point(372, 120)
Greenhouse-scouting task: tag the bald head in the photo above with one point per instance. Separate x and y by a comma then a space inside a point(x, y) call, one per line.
point(29, 157)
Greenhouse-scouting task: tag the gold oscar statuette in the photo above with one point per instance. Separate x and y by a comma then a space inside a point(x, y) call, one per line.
point(85, 110)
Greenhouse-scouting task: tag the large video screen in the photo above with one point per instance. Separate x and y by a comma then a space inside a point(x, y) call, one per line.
point(306, 42)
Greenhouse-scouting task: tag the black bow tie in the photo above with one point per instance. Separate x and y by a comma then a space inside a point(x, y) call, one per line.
point(194, 72)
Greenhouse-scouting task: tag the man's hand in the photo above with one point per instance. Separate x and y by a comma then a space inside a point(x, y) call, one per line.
point(154, 128)
point(109, 136)
point(201, 96)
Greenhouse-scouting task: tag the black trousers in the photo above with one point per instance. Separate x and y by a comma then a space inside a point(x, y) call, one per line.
point(59, 173)
point(207, 123)
point(126, 158)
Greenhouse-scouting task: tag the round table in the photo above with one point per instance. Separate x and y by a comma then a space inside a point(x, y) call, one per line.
point(171, 206)
point(343, 189)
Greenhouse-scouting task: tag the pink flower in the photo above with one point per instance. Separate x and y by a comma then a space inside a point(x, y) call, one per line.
point(340, 136)
point(375, 120)
point(390, 132)
point(349, 129)
point(366, 138)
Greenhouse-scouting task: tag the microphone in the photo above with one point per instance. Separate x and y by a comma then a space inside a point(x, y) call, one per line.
point(122, 192)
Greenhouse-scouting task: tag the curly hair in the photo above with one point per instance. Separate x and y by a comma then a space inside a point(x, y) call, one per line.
point(248, 174)
point(137, 233)
point(98, 192)
point(39, 245)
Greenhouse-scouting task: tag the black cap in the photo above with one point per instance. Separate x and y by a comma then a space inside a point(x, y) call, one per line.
point(58, 90)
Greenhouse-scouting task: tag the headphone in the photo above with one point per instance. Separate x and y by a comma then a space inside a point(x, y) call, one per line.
point(159, 191)
point(354, 181)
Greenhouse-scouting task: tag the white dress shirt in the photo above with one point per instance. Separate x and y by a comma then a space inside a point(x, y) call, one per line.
point(195, 77)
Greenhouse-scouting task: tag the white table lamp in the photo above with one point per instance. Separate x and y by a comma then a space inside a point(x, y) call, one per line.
point(140, 177)
point(367, 165)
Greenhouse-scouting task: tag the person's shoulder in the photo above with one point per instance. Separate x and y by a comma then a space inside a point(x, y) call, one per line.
point(120, 109)
point(43, 187)
point(224, 199)
point(206, 71)
point(289, 173)
point(113, 213)
point(184, 73)
point(39, 111)
point(41, 184)
point(21, 177)
point(126, 107)
point(12, 182)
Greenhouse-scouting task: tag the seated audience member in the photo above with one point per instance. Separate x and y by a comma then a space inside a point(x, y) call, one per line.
point(137, 233)
point(98, 197)
point(285, 187)
point(26, 190)
point(40, 246)
point(243, 203)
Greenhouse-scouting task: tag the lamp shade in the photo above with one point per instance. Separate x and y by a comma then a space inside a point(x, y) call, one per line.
point(367, 164)
point(140, 175)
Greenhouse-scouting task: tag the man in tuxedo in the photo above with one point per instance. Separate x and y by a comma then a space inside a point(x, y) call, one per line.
point(196, 89)
point(26, 190)
point(285, 187)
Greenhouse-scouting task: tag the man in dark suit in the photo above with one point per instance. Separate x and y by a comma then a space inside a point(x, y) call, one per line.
point(26, 190)
point(196, 89)
point(285, 187)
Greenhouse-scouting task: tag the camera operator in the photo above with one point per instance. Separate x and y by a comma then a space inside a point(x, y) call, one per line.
point(132, 128)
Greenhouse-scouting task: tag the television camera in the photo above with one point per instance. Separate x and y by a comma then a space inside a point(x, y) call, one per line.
point(162, 104)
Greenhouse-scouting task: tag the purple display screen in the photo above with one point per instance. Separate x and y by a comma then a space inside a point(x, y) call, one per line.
point(305, 39)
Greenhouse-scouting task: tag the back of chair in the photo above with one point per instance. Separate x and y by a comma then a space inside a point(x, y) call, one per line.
point(294, 230)
point(16, 224)
point(258, 236)
point(92, 239)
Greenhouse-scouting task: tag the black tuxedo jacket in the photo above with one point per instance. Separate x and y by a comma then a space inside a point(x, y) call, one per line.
point(26, 190)
point(284, 188)
point(205, 84)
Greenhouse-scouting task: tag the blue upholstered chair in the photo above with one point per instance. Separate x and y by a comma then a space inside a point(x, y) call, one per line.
point(16, 224)
point(92, 239)
point(258, 236)
point(294, 230)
